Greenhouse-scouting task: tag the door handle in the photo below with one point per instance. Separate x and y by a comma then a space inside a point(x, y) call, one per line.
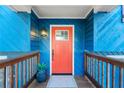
point(52, 54)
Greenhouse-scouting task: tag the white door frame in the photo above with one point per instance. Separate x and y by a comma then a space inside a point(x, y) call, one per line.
point(61, 25)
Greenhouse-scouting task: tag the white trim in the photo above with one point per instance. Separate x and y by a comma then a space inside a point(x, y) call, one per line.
point(22, 8)
point(88, 13)
point(61, 17)
point(35, 13)
point(52, 25)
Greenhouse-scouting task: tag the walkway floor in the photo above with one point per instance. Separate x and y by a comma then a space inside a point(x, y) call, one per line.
point(76, 82)
point(62, 81)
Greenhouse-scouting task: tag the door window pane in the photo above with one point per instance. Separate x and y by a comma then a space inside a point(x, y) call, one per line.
point(62, 35)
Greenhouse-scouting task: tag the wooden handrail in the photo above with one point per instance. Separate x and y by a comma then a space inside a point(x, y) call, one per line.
point(97, 60)
point(113, 61)
point(12, 61)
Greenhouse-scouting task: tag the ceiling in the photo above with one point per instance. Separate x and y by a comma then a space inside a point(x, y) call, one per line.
point(63, 11)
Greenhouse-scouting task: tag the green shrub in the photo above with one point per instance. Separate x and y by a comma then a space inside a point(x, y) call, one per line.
point(41, 67)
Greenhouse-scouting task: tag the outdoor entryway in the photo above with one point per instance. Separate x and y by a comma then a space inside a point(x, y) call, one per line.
point(62, 38)
point(56, 46)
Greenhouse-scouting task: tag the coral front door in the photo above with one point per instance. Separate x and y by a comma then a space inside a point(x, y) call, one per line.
point(62, 49)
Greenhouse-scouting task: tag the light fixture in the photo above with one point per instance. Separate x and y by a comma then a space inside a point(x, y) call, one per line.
point(33, 33)
point(44, 33)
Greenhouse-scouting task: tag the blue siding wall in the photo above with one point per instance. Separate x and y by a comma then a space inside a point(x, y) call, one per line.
point(109, 31)
point(109, 36)
point(89, 32)
point(14, 30)
point(79, 41)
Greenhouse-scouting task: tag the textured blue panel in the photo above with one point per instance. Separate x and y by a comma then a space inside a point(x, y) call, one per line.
point(89, 32)
point(109, 31)
point(14, 30)
point(109, 36)
point(79, 41)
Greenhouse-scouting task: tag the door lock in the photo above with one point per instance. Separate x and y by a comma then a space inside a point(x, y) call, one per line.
point(52, 54)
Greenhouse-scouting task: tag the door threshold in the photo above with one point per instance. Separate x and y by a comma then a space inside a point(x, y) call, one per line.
point(62, 74)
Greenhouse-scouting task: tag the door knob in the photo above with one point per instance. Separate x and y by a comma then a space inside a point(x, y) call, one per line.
point(52, 54)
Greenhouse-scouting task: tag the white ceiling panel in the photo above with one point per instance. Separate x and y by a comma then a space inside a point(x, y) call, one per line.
point(63, 11)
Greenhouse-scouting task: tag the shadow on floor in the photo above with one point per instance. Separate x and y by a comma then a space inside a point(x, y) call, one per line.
point(35, 84)
point(82, 82)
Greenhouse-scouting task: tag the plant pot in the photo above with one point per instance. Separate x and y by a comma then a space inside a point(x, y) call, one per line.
point(41, 76)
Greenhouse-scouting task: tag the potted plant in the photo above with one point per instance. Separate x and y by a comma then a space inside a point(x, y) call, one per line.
point(41, 75)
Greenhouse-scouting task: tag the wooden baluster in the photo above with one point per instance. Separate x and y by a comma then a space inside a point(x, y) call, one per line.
point(91, 62)
point(18, 66)
point(107, 75)
point(11, 77)
point(22, 79)
point(27, 71)
point(5, 77)
point(120, 77)
point(87, 64)
point(35, 64)
point(92, 67)
point(113, 68)
point(24, 73)
point(30, 67)
point(103, 74)
point(98, 71)
point(17, 75)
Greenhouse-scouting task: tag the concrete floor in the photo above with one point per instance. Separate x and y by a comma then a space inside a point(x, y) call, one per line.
point(81, 83)
point(62, 81)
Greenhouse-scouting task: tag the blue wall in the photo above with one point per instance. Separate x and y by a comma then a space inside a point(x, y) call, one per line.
point(109, 36)
point(89, 32)
point(79, 41)
point(35, 41)
point(14, 30)
point(109, 31)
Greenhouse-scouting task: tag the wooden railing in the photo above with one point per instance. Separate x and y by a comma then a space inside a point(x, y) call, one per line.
point(20, 71)
point(104, 72)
